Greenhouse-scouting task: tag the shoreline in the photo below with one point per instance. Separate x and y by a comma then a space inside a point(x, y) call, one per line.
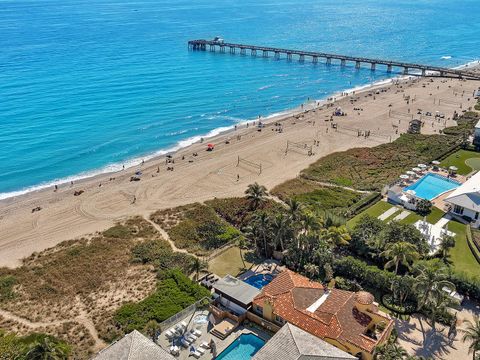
point(200, 175)
point(117, 168)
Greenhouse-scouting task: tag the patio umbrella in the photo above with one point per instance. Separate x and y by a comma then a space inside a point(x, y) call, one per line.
point(416, 169)
point(411, 173)
point(436, 162)
point(404, 177)
point(422, 166)
point(411, 192)
point(453, 168)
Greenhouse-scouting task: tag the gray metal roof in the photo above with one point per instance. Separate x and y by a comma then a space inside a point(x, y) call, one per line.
point(236, 289)
point(133, 346)
point(292, 343)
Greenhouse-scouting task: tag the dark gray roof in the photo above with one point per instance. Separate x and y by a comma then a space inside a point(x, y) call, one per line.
point(133, 346)
point(292, 343)
point(236, 289)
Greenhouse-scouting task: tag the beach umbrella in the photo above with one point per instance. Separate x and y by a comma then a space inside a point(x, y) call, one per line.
point(416, 169)
point(422, 166)
point(436, 162)
point(404, 177)
point(411, 173)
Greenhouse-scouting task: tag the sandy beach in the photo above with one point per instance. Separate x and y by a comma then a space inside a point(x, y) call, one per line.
point(383, 110)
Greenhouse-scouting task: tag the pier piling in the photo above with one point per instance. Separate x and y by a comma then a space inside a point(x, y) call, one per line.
point(201, 45)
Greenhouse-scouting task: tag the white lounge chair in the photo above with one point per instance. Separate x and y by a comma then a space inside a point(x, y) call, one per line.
point(196, 354)
point(184, 324)
point(170, 333)
point(205, 345)
point(185, 342)
point(191, 337)
point(196, 332)
point(201, 351)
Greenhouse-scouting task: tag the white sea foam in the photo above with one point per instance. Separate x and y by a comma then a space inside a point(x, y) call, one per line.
point(446, 57)
point(116, 167)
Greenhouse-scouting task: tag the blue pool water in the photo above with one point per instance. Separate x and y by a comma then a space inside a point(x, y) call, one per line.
point(259, 281)
point(89, 85)
point(243, 348)
point(432, 185)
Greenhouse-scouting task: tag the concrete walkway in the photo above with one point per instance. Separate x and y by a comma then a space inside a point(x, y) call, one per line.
point(388, 213)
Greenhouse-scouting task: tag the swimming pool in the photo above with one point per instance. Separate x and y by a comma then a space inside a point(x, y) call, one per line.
point(259, 280)
point(243, 348)
point(432, 185)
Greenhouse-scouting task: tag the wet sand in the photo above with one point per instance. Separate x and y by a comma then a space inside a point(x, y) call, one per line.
point(108, 198)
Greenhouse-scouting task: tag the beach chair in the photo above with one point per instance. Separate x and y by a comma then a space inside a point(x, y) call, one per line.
point(185, 342)
point(205, 345)
point(170, 333)
point(196, 354)
point(190, 337)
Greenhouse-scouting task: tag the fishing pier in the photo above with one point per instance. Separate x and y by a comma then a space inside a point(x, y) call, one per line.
point(278, 53)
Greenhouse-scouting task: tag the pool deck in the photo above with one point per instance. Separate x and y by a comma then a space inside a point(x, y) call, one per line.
point(205, 328)
point(267, 267)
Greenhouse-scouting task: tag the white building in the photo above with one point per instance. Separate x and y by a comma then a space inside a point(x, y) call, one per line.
point(465, 200)
point(476, 136)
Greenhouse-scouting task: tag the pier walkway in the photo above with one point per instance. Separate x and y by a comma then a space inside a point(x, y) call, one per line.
point(424, 70)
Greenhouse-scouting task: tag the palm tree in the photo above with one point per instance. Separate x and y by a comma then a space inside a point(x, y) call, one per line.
point(280, 228)
point(198, 266)
point(431, 281)
point(336, 235)
point(400, 253)
point(256, 195)
point(390, 351)
point(261, 226)
point(312, 270)
point(241, 244)
point(447, 242)
point(472, 334)
point(47, 348)
point(151, 329)
point(294, 209)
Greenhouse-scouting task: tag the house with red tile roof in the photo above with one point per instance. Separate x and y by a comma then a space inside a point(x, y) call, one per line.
point(350, 321)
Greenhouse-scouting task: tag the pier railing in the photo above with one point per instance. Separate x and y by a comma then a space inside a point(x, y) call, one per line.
point(425, 70)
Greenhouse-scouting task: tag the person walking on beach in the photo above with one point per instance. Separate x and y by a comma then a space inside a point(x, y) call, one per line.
point(238, 177)
point(134, 199)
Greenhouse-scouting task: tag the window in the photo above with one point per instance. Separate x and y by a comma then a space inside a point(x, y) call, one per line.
point(458, 210)
point(258, 309)
point(279, 320)
point(476, 215)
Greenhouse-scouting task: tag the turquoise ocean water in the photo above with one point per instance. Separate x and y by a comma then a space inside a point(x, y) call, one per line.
point(86, 86)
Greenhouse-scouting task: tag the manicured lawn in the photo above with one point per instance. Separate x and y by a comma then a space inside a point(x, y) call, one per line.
point(435, 215)
point(374, 211)
point(461, 255)
point(458, 159)
point(229, 262)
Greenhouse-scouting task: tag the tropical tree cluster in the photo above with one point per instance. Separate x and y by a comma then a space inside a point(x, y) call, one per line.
point(305, 239)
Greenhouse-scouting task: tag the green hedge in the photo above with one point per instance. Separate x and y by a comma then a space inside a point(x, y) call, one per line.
point(366, 275)
point(363, 204)
point(173, 294)
point(472, 245)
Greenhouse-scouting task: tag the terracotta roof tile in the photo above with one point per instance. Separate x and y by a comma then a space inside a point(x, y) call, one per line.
point(336, 318)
